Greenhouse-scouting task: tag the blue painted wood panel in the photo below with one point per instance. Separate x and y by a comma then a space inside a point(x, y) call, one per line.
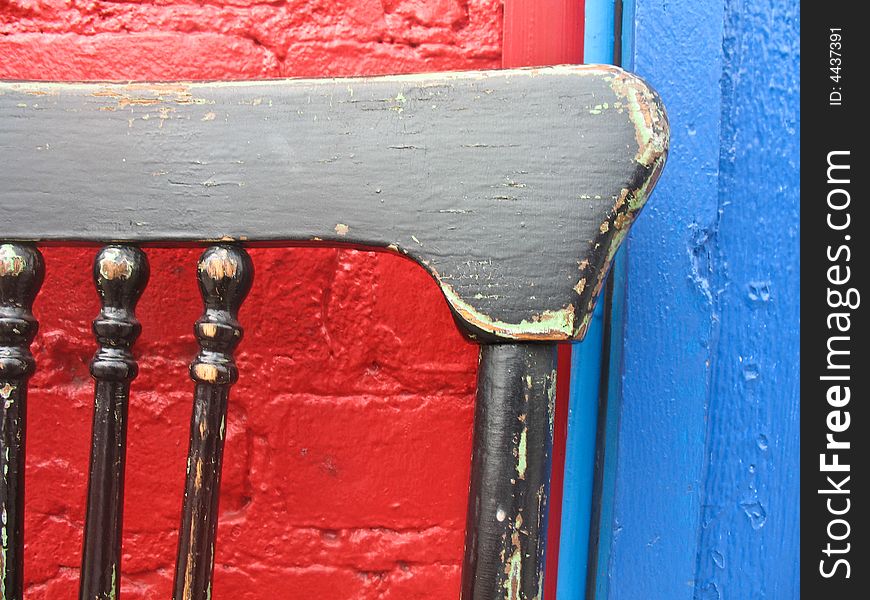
point(706, 499)
point(749, 542)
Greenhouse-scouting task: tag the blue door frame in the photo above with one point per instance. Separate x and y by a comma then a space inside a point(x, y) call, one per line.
point(587, 360)
point(701, 473)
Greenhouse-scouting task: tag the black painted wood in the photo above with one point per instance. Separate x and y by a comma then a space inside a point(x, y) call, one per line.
point(120, 275)
point(505, 536)
point(21, 274)
point(225, 276)
point(511, 188)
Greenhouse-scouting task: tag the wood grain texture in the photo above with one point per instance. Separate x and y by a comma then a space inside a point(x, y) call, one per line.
point(512, 188)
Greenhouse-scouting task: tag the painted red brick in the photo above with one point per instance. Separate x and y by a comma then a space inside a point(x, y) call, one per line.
point(350, 430)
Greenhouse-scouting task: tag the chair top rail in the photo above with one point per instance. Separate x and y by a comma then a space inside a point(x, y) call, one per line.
point(512, 188)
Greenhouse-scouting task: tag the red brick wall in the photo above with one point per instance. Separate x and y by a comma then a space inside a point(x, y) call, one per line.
point(349, 431)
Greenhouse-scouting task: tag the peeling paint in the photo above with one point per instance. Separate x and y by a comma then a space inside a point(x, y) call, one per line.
point(514, 566)
point(114, 582)
point(206, 372)
point(652, 136)
point(114, 265)
point(4, 540)
point(565, 316)
point(11, 263)
point(549, 325)
point(647, 115)
point(622, 221)
point(140, 94)
point(625, 211)
point(219, 265)
point(551, 410)
point(522, 453)
point(187, 594)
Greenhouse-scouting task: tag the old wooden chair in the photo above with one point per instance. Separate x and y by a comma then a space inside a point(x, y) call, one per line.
point(513, 189)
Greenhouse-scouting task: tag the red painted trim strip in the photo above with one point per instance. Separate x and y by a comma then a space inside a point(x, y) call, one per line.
point(540, 33)
point(557, 481)
point(543, 32)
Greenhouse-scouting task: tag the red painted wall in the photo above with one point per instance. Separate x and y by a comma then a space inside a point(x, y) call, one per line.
point(350, 430)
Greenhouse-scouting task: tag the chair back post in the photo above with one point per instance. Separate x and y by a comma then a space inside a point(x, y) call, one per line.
point(506, 523)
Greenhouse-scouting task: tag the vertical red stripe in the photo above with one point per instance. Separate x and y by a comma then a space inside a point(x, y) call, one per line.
point(560, 435)
point(542, 32)
point(538, 33)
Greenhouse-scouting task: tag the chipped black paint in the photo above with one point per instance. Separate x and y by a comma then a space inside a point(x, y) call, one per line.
point(505, 535)
point(513, 189)
point(120, 275)
point(497, 183)
point(21, 274)
point(225, 275)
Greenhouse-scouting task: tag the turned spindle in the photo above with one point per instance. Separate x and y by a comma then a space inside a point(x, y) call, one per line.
point(120, 275)
point(225, 274)
point(21, 274)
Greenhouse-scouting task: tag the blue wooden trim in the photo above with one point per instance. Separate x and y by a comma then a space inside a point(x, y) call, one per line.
point(598, 32)
point(610, 429)
point(616, 336)
point(670, 329)
point(705, 504)
point(628, 22)
point(750, 517)
point(585, 380)
point(579, 462)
